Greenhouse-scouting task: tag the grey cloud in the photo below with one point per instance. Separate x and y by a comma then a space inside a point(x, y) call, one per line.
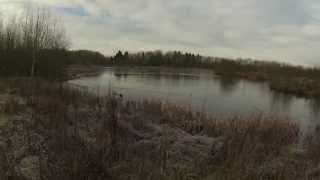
point(287, 30)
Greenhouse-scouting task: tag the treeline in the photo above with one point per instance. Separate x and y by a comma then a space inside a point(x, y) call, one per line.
point(33, 44)
point(286, 78)
point(86, 57)
point(158, 58)
point(223, 66)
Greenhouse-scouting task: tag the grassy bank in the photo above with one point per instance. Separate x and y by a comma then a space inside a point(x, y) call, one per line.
point(52, 131)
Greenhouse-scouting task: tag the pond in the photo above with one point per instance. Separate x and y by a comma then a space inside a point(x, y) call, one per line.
point(204, 91)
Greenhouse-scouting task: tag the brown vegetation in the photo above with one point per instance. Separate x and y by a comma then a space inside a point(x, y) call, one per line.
point(58, 132)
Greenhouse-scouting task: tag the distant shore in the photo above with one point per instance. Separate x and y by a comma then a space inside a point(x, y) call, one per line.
point(78, 71)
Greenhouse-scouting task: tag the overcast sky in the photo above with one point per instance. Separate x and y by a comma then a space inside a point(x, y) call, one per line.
point(284, 30)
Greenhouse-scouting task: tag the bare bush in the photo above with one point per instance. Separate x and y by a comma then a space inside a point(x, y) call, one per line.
point(26, 40)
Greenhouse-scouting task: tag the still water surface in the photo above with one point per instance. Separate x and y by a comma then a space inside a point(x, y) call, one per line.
point(203, 91)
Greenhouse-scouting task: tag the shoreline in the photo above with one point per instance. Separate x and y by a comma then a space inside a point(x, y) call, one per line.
point(79, 71)
point(299, 87)
point(122, 136)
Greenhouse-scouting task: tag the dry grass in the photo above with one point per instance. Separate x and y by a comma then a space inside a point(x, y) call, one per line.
point(77, 135)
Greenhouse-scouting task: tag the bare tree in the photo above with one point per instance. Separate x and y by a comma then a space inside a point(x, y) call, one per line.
point(1, 34)
point(11, 34)
point(41, 31)
point(29, 40)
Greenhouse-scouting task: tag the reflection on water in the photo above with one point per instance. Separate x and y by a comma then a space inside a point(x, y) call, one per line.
point(222, 97)
point(281, 102)
point(315, 107)
point(228, 85)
